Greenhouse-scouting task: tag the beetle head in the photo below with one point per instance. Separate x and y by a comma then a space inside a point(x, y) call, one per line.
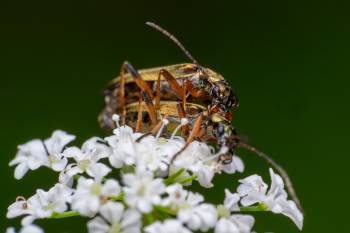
point(224, 96)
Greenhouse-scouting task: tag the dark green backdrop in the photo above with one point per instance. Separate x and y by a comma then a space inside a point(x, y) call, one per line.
point(287, 60)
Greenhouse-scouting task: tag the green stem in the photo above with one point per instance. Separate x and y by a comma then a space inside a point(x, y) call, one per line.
point(259, 207)
point(188, 179)
point(120, 197)
point(165, 210)
point(76, 177)
point(149, 218)
point(171, 179)
point(67, 214)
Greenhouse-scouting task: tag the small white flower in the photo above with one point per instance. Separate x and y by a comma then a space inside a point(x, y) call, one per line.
point(193, 199)
point(91, 194)
point(142, 191)
point(235, 224)
point(10, 230)
point(87, 157)
point(31, 155)
point(176, 198)
point(196, 158)
point(31, 229)
point(231, 201)
point(22, 207)
point(236, 165)
point(54, 146)
point(42, 204)
point(278, 203)
point(55, 200)
point(122, 144)
point(201, 217)
point(154, 153)
point(253, 190)
point(65, 179)
point(37, 153)
point(26, 229)
point(115, 220)
point(196, 151)
point(147, 154)
point(204, 173)
point(169, 226)
point(190, 209)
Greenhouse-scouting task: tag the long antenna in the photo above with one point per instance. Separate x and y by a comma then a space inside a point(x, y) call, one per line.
point(280, 170)
point(174, 39)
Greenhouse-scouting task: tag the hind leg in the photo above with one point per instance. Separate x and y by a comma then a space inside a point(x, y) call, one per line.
point(145, 90)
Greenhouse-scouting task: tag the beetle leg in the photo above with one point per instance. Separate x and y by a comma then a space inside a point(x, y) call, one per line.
point(173, 83)
point(203, 134)
point(139, 115)
point(180, 91)
point(157, 101)
point(145, 89)
point(195, 92)
point(210, 138)
point(195, 133)
point(184, 97)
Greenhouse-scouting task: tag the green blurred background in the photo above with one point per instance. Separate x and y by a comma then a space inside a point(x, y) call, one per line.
point(287, 60)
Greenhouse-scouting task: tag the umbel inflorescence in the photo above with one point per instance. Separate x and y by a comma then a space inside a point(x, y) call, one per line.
point(123, 184)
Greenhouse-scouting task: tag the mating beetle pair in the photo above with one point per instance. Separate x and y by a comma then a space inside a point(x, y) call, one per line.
point(143, 98)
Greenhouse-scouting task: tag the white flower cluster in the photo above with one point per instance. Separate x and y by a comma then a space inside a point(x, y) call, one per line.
point(146, 192)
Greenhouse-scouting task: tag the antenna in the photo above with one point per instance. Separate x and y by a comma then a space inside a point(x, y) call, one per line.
point(174, 39)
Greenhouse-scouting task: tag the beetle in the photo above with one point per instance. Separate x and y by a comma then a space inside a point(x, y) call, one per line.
point(186, 90)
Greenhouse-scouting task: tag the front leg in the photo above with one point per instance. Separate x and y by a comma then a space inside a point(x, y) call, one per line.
point(195, 92)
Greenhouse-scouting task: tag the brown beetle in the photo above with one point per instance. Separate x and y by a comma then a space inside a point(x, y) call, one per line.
point(142, 98)
point(178, 91)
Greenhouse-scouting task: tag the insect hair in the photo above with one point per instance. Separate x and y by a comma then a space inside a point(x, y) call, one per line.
point(174, 39)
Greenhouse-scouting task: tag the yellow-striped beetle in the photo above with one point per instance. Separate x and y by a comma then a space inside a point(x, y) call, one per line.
point(178, 91)
point(143, 98)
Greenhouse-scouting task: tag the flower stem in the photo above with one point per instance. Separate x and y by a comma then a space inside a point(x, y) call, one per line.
point(171, 179)
point(259, 207)
point(149, 218)
point(120, 197)
point(67, 214)
point(188, 179)
point(165, 210)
